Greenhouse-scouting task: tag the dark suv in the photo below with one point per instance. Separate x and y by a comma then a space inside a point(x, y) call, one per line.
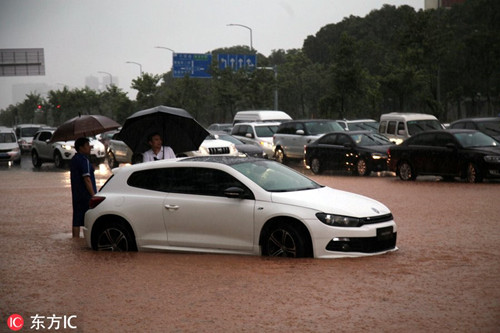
point(489, 126)
point(291, 137)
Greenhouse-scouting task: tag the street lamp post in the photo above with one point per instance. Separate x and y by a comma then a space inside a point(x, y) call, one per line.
point(110, 76)
point(275, 70)
point(136, 63)
point(243, 26)
point(167, 48)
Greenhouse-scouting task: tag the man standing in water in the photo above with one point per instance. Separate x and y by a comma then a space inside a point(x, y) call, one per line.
point(83, 185)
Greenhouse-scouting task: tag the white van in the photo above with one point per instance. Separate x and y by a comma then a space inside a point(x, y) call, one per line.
point(398, 126)
point(260, 116)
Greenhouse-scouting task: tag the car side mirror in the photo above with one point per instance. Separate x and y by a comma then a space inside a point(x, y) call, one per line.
point(249, 135)
point(402, 132)
point(234, 192)
point(300, 132)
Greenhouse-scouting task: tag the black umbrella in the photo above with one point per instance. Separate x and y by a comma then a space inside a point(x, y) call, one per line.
point(177, 127)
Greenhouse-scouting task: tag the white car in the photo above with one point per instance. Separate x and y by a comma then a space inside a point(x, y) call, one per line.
point(213, 146)
point(61, 152)
point(9, 147)
point(236, 205)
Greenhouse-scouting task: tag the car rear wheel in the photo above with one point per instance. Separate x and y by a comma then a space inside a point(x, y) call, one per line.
point(284, 241)
point(316, 166)
point(112, 160)
point(35, 159)
point(362, 168)
point(405, 171)
point(280, 155)
point(473, 174)
point(115, 237)
point(58, 160)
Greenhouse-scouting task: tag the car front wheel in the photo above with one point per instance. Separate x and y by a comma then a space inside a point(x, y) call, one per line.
point(280, 155)
point(58, 160)
point(316, 166)
point(284, 241)
point(473, 174)
point(115, 237)
point(35, 159)
point(112, 160)
point(362, 168)
point(406, 171)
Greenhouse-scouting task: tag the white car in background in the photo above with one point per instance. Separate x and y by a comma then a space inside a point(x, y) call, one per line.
point(234, 205)
point(9, 147)
point(61, 152)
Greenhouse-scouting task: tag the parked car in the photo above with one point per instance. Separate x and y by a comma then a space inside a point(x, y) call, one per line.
point(398, 127)
point(468, 154)
point(213, 146)
point(291, 137)
point(489, 126)
point(359, 125)
point(234, 205)
point(25, 134)
point(241, 147)
point(360, 152)
point(61, 152)
point(225, 127)
point(9, 146)
point(260, 116)
point(118, 152)
point(257, 133)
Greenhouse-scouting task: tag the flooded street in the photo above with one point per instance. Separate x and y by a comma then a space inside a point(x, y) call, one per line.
point(444, 278)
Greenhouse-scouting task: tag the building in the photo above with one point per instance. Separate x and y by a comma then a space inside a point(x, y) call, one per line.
point(435, 4)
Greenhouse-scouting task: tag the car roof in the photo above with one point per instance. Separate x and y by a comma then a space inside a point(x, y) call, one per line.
point(259, 123)
point(6, 129)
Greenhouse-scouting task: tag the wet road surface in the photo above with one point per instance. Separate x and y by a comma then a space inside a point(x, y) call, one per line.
point(445, 276)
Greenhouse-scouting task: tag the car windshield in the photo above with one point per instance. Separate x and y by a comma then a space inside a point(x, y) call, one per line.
point(7, 138)
point(476, 139)
point(29, 131)
point(266, 131)
point(321, 127)
point(275, 177)
point(363, 126)
point(417, 126)
point(491, 128)
point(370, 139)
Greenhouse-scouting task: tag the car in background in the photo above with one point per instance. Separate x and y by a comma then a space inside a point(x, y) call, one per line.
point(291, 137)
point(212, 146)
point(61, 152)
point(106, 137)
point(360, 125)
point(9, 146)
point(225, 127)
point(260, 116)
point(257, 133)
point(118, 152)
point(233, 205)
point(25, 134)
point(489, 126)
point(246, 149)
point(398, 126)
point(360, 152)
point(468, 154)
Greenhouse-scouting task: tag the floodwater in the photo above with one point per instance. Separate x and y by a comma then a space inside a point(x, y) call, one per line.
point(443, 278)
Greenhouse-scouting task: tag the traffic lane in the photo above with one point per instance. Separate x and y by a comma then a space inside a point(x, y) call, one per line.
point(444, 276)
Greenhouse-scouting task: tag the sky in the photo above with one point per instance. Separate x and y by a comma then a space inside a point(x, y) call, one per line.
point(81, 38)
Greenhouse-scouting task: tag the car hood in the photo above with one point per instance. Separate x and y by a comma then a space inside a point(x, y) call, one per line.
point(376, 149)
point(329, 200)
point(9, 145)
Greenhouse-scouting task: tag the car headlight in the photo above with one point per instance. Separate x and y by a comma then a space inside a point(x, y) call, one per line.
point(66, 147)
point(233, 150)
point(338, 220)
point(266, 144)
point(204, 150)
point(378, 156)
point(492, 159)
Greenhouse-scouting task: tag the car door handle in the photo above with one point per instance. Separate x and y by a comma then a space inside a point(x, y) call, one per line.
point(171, 207)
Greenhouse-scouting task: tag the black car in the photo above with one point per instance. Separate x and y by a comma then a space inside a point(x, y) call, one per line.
point(487, 125)
point(468, 154)
point(358, 151)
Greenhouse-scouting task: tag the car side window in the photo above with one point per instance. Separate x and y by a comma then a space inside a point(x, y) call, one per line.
point(45, 136)
point(442, 139)
point(426, 139)
point(391, 127)
point(328, 139)
point(342, 140)
point(196, 181)
point(470, 125)
point(383, 127)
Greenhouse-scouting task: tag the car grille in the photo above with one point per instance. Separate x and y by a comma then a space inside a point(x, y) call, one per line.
point(218, 150)
point(376, 219)
point(363, 245)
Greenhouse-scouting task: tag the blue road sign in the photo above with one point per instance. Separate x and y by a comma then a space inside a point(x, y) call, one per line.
point(195, 65)
point(237, 61)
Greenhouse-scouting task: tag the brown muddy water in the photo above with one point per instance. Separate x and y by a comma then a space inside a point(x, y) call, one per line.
point(444, 278)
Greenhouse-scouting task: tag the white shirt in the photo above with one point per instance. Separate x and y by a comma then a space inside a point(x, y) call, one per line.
point(164, 153)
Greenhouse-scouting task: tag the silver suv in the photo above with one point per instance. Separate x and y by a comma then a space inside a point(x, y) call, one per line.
point(258, 134)
point(291, 137)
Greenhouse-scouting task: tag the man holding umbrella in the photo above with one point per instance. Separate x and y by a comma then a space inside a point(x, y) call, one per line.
point(83, 185)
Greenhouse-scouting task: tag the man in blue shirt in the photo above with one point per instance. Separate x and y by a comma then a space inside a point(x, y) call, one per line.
point(83, 186)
